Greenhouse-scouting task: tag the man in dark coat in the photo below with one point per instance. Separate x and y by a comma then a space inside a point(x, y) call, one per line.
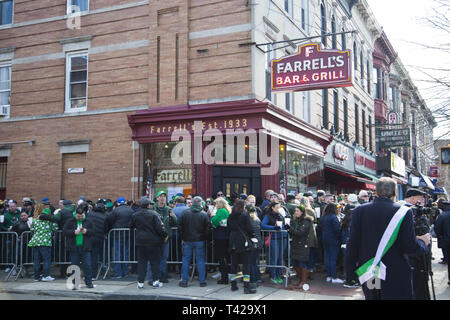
point(120, 218)
point(150, 236)
point(369, 222)
point(79, 232)
point(442, 229)
point(98, 218)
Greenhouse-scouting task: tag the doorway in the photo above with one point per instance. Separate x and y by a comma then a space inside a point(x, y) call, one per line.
point(237, 180)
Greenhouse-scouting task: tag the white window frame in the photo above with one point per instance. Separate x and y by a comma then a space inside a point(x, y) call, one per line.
point(6, 65)
point(304, 20)
point(12, 16)
point(290, 9)
point(69, 5)
point(68, 104)
point(306, 112)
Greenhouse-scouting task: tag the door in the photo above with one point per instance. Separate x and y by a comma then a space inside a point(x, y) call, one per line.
point(3, 166)
point(237, 180)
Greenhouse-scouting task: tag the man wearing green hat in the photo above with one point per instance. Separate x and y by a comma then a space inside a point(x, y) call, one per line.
point(169, 220)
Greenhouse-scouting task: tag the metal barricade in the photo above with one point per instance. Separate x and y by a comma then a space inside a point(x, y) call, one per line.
point(119, 248)
point(278, 249)
point(9, 252)
point(25, 253)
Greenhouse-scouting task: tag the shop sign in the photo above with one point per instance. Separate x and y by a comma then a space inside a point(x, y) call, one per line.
point(292, 181)
point(398, 165)
point(312, 68)
point(340, 155)
point(174, 176)
point(75, 170)
point(434, 171)
point(394, 138)
point(341, 152)
point(365, 162)
point(231, 123)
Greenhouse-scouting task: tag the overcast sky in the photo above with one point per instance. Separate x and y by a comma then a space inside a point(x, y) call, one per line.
point(402, 21)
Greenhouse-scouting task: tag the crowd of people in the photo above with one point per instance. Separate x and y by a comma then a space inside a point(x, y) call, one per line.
point(317, 226)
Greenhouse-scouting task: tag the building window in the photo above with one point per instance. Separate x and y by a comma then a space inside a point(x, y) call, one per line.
point(289, 8)
point(77, 5)
point(323, 24)
point(336, 111)
point(269, 57)
point(355, 56)
point(370, 133)
point(377, 82)
point(361, 61)
point(6, 12)
point(325, 108)
point(356, 124)
point(343, 39)
point(305, 103)
point(5, 90)
point(345, 106)
point(288, 102)
point(368, 78)
point(333, 33)
point(304, 13)
point(76, 82)
point(363, 118)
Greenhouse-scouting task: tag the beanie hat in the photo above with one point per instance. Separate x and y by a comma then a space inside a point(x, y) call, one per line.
point(46, 211)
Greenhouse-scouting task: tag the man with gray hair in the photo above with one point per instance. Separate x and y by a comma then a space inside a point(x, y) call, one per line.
point(193, 229)
point(381, 234)
point(363, 197)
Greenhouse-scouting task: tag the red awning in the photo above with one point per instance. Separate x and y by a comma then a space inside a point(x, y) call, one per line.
point(370, 184)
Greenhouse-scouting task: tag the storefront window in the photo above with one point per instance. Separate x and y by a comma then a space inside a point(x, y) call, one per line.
point(282, 174)
point(316, 179)
point(165, 174)
point(296, 170)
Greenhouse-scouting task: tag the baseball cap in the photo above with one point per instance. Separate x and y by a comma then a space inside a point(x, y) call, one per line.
point(45, 201)
point(160, 193)
point(414, 192)
point(146, 201)
point(121, 200)
point(67, 202)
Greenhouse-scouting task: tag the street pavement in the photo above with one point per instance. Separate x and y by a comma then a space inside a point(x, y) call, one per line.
point(125, 289)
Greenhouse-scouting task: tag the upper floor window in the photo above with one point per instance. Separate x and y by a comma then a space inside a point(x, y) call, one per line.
point(361, 61)
point(333, 33)
point(289, 7)
point(368, 78)
point(77, 5)
point(343, 40)
point(6, 12)
point(304, 14)
point(76, 81)
point(355, 56)
point(377, 74)
point(5, 89)
point(323, 24)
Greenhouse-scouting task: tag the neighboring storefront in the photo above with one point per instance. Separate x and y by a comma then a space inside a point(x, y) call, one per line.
point(392, 165)
point(228, 150)
point(340, 171)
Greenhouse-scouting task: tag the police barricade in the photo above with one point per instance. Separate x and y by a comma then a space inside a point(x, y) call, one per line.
point(121, 250)
point(276, 256)
point(9, 252)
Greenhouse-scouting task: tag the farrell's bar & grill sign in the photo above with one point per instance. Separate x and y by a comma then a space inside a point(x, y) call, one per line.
point(312, 68)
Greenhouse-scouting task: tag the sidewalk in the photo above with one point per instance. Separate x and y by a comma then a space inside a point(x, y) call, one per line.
point(125, 289)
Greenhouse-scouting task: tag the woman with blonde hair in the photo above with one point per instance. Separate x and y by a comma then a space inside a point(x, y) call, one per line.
point(219, 222)
point(312, 236)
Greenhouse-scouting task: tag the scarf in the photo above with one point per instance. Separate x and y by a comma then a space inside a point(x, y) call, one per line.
point(79, 237)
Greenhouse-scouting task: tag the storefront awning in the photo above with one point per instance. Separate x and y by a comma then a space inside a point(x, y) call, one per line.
point(349, 175)
point(426, 182)
point(373, 178)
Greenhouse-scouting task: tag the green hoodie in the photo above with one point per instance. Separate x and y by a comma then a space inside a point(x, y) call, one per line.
point(169, 222)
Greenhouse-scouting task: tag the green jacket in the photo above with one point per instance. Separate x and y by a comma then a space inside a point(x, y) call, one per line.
point(167, 220)
point(42, 233)
point(10, 220)
point(220, 219)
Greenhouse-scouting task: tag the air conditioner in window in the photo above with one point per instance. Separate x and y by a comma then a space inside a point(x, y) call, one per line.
point(3, 111)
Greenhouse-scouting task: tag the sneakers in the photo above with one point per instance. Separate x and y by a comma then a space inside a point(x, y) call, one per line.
point(183, 284)
point(7, 270)
point(216, 276)
point(328, 279)
point(140, 285)
point(48, 279)
point(203, 284)
point(90, 286)
point(337, 281)
point(351, 284)
point(37, 280)
point(279, 280)
point(274, 280)
point(157, 284)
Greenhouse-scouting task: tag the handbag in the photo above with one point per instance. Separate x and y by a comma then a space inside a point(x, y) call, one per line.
point(267, 239)
point(248, 245)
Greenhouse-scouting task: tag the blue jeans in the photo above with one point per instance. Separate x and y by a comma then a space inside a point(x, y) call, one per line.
point(164, 255)
point(277, 248)
point(188, 249)
point(313, 252)
point(85, 257)
point(253, 262)
point(97, 256)
point(46, 254)
point(121, 253)
point(331, 254)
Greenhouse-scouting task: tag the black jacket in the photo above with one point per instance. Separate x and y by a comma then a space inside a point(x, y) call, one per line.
point(20, 226)
point(299, 231)
point(194, 225)
point(63, 216)
point(120, 217)
point(442, 225)
point(98, 219)
point(149, 228)
point(240, 230)
point(369, 221)
point(69, 232)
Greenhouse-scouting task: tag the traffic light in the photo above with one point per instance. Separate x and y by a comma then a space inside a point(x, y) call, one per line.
point(445, 155)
